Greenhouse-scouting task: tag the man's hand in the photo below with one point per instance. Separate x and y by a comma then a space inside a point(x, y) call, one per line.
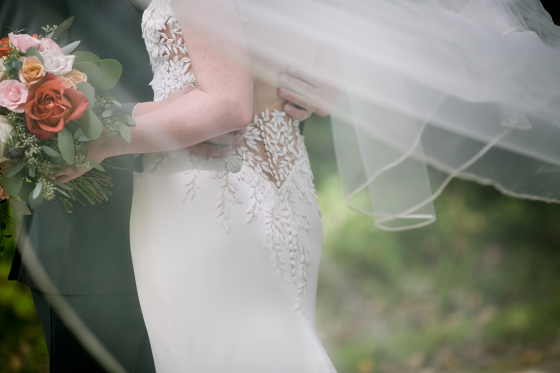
point(306, 94)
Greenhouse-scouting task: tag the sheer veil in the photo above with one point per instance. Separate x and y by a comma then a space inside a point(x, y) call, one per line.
point(429, 90)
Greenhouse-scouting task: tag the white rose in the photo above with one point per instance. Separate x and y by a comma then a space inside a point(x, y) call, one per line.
point(2, 70)
point(57, 63)
point(5, 131)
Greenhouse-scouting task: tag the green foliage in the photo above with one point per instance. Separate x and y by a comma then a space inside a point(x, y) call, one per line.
point(477, 291)
point(22, 346)
point(35, 52)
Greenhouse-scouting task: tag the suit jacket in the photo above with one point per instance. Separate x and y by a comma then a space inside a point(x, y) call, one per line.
point(87, 252)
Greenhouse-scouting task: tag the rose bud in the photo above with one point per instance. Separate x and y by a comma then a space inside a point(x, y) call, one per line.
point(51, 105)
point(31, 72)
point(5, 49)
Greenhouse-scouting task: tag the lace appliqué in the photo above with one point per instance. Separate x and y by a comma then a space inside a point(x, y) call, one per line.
point(273, 156)
point(168, 54)
point(276, 161)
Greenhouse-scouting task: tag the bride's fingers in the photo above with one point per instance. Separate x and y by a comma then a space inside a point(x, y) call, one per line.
point(210, 150)
point(69, 174)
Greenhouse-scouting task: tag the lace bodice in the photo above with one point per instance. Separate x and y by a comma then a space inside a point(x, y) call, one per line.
point(272, 155)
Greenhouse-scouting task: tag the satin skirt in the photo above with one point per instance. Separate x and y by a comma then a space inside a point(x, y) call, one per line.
point(212, 301)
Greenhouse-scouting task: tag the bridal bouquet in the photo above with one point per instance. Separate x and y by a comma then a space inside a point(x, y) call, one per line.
point(53, 101)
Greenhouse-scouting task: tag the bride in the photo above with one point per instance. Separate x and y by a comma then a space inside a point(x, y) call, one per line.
point(226, 251)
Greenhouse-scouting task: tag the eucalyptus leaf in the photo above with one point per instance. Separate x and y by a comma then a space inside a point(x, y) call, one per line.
point(16, 168)
point(117, 103)
point(91, 70)
point(63, 186)
point(12, 185)
point(62, 27)
point(88, 91)
point(90, 125)
point(57, 161)
point(86, 57)
point(34, 52)
point(96, 165)
point(37, 191)
point(78, 133)
point(19, 207)
point(82, 149)
point(32, 170)
point(111, 71)
point(50, 151)
point(126, 119)
point(35, 202)
point(13, 66)
point(70, 47)
point(63, 192)
point(125, 132)
point(26, 188)
point(66, 146)
point(106, 114)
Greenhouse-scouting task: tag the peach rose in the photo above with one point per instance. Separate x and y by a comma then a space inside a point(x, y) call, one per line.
point(69, 83)
point(48, 45)
point(31, 72)
point(22, 41)
point(76, 76)
point(13, 95)
point(51, 105)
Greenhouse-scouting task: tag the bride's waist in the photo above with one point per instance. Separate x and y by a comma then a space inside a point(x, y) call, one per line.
point(177, 161)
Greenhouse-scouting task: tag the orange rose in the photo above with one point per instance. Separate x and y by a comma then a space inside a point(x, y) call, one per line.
point(51, 105)
point(76, 76)
point(5, 49)
point(31, 72)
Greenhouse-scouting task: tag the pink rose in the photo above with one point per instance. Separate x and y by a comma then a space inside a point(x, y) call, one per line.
point(48, 45)
point(23, 42)
point(13, 95)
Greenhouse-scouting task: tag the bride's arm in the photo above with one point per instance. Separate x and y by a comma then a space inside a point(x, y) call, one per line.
point(222, 102)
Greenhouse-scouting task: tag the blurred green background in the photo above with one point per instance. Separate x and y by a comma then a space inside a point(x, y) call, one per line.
point(477, 291)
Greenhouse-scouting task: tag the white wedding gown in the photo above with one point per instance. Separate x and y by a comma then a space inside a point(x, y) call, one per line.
point(226, 252)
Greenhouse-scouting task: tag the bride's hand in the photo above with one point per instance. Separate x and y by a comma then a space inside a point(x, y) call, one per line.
point(96, 152)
